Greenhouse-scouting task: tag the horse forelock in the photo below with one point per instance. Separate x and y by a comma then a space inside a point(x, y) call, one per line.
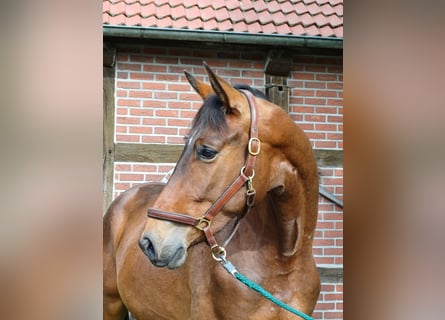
point(210, 115)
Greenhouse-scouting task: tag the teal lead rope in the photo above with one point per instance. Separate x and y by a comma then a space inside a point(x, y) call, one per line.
point(234, 272)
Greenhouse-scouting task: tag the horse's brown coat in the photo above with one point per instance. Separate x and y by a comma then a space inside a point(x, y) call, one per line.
point(273, 245)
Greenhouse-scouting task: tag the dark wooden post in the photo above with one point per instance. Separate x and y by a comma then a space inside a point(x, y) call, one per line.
point(109, 56)
point(278, 91)
point(277, 70)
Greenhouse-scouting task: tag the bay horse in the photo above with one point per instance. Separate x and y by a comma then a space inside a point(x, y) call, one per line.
point(246, 185)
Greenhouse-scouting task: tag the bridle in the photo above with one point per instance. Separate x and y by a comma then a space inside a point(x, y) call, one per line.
point(247, 173)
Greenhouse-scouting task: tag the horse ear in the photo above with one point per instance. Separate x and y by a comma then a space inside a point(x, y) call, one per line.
point(231, 98)
point(204, 90)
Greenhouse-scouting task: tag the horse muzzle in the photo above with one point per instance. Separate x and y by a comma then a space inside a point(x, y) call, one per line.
point(170, 254)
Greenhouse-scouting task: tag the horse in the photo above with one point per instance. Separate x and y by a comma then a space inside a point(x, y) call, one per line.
point(245, 187)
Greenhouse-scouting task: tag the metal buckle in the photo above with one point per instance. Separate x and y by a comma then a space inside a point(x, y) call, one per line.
point(218, 252)
point(203, 223)
point(249, 146)
point(243, 169)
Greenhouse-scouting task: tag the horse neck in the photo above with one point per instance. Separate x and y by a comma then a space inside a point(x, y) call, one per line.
point(289, 187)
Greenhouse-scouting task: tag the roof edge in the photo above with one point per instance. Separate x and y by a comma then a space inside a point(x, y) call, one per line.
point(223, 37)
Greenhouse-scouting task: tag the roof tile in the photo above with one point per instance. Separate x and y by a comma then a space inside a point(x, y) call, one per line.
point(178, 12)
point(260, 6)
point(254, 27)
point(247, 5)
point(180, 23)
point(164, 22)
point(273, 6)
point(322, 1)
point(327, 9)
point(175, 3)
point(236, 15)
point(287, 7)
point(117, 20)
point(307, 20)
point(335, 21)
point(106, 6)
point(106, 18)
point(148, 10)
point(320, 20)
point(162, 11)
point(296, 17)
point(240, 27)
point(265, 18)
point(193, 13)
point(231, 4)
point(208, 14)
point(161, 2)
point(298, 29)
point(195, 24)
point(269, 28)
point(218, 5)
point(118, 8)
point(326, 31)
point(132, 9)
point(279, 18)
point(250, 16)
point(293, 19)
point(314, 8)
point(226, 25)
point(222, 14)
point(338, 32)
point(150, 22)
point(205, 3)
point(312, 31)
point(338, 9)
point(133, 21)
point(211, 24)
point(300, 8)
point(283, 29)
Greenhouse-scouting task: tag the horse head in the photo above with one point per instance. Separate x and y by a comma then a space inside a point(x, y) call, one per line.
point(213, 157)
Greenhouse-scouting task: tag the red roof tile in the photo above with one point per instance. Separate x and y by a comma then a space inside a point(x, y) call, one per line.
point(222, 15)
point(292, 17)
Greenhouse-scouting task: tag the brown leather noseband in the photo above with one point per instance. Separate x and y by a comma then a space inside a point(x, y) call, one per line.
point(247, 173)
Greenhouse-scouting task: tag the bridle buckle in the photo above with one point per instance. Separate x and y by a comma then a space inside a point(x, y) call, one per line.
point(250, 146)
point(203, 223)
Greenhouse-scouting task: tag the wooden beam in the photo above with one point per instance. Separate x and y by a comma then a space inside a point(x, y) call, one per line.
point(278, 63)
point(330, 275)
point(151, 153)
point(109, 55)
point(329, 158)
point(278, 91)
point(163, 153)
point(108, 136)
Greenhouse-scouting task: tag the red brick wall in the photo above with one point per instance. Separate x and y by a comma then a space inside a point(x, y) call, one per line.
point(155, 104)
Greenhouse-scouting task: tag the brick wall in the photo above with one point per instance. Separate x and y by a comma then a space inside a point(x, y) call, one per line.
point(155, 104)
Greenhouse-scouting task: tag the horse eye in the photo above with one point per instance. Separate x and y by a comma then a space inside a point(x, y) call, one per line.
point(205, 153)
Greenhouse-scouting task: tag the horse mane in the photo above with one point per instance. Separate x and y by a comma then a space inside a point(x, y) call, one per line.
point(257, 93)
point(211, 114)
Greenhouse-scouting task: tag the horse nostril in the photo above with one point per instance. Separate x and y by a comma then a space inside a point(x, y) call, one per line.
point(147, 247)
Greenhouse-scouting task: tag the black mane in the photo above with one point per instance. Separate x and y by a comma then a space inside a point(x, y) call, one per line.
point(257, 93)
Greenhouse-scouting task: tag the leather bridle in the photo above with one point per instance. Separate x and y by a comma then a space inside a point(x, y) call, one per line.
point(247, 173)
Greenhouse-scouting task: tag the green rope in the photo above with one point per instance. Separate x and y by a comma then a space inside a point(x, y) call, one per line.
point(234, 272)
